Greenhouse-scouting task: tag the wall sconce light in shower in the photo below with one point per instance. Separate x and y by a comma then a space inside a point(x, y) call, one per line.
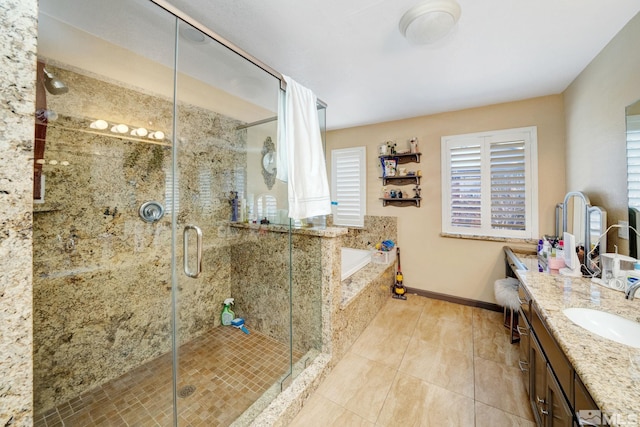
point(123, 129)
point(142, 132)
point(99, 124)
point(120, 128)
point(54, 85)
point(156, 135)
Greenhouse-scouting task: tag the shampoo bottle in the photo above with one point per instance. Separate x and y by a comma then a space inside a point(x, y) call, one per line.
point(227, 315)
point(234, 206)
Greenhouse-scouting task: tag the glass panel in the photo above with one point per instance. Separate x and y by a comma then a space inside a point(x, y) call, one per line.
point(102, 275)
point(222, 370)
point(306, 288)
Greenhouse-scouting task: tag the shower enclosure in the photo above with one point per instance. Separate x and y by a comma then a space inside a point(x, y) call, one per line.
point(137, 237)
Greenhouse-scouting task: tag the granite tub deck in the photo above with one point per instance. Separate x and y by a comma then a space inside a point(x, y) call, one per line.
point(609, 370)
point(347, 306)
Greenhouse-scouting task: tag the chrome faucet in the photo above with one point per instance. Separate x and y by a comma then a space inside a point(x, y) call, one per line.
point(632, 290)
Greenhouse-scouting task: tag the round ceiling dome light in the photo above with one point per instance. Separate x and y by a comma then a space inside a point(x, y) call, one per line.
point(429, 21)
point(192, 35)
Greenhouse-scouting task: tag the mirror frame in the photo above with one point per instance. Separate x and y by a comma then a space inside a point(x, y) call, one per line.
point(268, 158)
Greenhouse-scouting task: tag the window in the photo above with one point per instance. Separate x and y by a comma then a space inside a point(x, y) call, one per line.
point(348, 186)
point(489, 184)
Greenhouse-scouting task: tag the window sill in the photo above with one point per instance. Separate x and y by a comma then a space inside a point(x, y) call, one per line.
point(489, 238)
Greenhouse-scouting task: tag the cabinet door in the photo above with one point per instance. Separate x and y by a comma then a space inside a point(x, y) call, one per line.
point(586, 410)
point(523, 363)
point(559, 414)
point(538, 381)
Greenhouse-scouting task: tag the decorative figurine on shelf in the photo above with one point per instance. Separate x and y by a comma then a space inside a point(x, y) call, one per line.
point(393, 194)
point(391, 147)
point(416, 191)
point(413, 144)
point(400, 194)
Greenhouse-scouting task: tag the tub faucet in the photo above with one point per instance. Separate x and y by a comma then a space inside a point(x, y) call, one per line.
point(632, 290)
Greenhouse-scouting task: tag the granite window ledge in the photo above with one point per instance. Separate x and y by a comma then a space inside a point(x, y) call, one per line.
point(489, 238)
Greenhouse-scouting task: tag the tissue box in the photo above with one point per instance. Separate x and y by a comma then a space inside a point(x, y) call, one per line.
point(382, 257)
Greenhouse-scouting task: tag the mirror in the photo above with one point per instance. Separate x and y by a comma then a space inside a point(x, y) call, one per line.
point(575, 217)
point(633, 173)
point(587, 223)
point(269, 162)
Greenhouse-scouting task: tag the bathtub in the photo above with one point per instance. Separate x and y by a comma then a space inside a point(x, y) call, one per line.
point(353, 260)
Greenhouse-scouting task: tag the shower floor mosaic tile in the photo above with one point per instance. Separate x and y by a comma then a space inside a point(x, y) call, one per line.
point(221, 374)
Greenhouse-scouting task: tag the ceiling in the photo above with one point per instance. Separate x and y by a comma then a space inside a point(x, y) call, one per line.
point(352, 55)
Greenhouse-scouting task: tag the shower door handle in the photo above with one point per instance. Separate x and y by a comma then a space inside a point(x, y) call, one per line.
point(185, 240)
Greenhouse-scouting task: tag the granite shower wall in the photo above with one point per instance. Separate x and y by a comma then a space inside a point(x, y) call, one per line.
point(17, 89)
point(260, 284)
point(260, 281)
point(375, 230)
point(102, 277)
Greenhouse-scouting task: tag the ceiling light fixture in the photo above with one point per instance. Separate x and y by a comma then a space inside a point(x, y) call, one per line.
point(192, 35)
point(429, 21)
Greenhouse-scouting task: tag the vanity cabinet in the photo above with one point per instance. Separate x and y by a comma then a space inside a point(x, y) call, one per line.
point(549, 397)
point(556, 393)
point(401, 180)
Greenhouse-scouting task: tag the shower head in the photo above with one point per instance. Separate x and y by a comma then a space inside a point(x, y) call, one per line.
point(54, 85)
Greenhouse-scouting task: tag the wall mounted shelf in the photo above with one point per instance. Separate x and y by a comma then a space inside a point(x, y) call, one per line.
point(404, 158)
point(413, 201)
point(400, 180)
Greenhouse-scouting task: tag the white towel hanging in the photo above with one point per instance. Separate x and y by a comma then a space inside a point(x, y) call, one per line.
point(301, 161)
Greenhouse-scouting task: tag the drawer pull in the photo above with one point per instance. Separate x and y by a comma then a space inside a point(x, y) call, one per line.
point(521, 331)
point(540, 401)
point(522, 368)
point(543, 412)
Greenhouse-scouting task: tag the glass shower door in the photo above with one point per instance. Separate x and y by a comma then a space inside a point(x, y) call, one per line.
point(102, 249)
point(222, 371)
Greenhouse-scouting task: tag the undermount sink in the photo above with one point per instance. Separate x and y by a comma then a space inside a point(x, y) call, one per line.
point(607, 325)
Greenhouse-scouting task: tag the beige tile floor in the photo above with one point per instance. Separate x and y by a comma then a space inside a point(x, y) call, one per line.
point(424, 362)
point(226, 370)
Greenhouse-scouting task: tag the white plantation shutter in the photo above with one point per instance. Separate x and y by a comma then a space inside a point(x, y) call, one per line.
point(489, 183)
point(171, 204)
point(348, 186)
point(508, 192)
point(633, 160)
point(465, 186)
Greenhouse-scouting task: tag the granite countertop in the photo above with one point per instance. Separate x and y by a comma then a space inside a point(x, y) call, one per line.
point(281, 228)
point(610, 371)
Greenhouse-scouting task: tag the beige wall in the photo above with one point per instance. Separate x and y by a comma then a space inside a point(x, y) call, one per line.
point(595, 119)
point(459, 267)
